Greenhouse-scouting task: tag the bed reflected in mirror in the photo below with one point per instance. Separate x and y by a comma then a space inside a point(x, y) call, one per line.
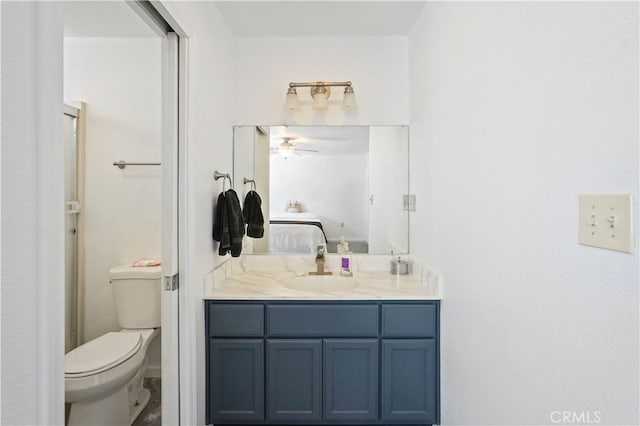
point(320, 184)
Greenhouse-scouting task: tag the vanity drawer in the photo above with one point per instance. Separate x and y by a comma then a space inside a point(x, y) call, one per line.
point(239, 320)
point(409, 320)
point(322, 320)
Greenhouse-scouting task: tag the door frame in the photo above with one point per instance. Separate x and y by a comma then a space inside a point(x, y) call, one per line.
point(40, 26)
point(176, 412)
point(77, 111)
point(50, 22)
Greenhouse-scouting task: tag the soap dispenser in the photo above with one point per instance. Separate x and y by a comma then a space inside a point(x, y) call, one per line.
point(345, 258)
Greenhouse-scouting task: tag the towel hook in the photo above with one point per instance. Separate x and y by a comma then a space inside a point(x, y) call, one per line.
point(217, 175)
point(251, 181)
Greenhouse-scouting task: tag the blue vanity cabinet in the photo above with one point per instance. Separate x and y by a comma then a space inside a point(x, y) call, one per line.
point(323, 362)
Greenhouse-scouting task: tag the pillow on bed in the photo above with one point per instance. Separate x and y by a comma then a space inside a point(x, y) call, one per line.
point(293, 207)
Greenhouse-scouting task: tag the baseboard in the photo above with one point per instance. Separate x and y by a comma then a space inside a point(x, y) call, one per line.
point(349, 240)
point(153, 372)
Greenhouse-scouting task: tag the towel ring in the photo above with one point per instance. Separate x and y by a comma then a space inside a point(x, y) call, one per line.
point(217, 175)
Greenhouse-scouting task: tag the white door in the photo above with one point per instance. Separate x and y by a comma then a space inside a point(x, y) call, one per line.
point(388, 222)
point(170, 336)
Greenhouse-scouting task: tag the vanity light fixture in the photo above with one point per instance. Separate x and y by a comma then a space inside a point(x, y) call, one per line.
point(320, 92)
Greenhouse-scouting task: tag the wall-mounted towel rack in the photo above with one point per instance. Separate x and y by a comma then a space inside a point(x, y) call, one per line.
point(217, 175)
point(122, 164)
point(251, 181)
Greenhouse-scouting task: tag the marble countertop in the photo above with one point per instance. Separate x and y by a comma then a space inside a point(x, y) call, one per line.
point(234, 281)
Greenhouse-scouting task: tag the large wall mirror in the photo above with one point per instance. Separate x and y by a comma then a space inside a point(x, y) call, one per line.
point(319, 184)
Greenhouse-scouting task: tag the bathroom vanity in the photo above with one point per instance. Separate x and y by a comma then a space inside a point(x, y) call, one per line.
point(358, 356)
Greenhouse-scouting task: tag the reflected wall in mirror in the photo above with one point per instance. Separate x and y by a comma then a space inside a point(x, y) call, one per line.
point(319, 184)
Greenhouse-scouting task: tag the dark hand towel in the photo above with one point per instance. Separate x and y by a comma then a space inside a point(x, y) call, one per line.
point(236, 222)
point(221, 226)
point(252, 212)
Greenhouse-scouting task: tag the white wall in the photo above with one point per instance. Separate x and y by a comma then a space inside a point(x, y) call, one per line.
point(377, 67)
point(334, 187)
point(516, 108)
point(209, 148)
point(32, 215)
point(119, 80)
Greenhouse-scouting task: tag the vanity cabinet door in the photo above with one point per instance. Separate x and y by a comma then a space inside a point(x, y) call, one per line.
point(236, 381)
point(351, 379)
point(409, 381)
point(294, 380)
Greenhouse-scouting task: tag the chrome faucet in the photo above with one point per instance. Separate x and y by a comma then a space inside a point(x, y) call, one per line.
point(320, 262)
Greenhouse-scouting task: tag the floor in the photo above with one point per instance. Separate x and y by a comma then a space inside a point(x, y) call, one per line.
point(151, 415)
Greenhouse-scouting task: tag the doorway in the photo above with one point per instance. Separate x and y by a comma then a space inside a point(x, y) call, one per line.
point(156, 186)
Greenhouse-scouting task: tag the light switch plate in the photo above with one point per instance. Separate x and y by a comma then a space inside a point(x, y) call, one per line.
point(605, 220)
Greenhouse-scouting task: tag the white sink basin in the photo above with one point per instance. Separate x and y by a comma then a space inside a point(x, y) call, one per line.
point(323, 283)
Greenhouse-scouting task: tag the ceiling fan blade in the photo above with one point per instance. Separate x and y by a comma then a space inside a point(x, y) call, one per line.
point(306, 150)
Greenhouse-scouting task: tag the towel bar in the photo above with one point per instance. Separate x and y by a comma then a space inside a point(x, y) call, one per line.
point(122, 164)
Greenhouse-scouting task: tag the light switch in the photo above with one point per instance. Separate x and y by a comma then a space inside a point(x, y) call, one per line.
point(605, 221)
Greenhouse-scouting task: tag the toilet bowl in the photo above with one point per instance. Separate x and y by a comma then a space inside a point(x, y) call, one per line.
point(103, 377)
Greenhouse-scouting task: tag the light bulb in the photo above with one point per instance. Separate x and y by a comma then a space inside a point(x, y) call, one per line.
point(349, 99)
point(291, 102)
point(285, 153)
point(320, 95)
point(320, 102)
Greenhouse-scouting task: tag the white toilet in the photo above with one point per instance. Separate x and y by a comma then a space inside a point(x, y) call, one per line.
point(103, 377)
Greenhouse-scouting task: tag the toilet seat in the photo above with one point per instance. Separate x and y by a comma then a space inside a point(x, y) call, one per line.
point(101, 354)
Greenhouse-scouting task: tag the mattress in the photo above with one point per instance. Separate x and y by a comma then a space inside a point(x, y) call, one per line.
point(295, 233)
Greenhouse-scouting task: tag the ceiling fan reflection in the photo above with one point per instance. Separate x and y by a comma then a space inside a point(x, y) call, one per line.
point(286, 149)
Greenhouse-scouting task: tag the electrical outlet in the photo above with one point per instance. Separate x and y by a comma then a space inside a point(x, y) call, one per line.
point(605, 221)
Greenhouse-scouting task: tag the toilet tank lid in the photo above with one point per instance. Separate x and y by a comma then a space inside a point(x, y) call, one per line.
point(124, 272)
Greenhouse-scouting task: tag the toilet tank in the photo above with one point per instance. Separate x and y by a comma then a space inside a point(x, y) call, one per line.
point(136, 293)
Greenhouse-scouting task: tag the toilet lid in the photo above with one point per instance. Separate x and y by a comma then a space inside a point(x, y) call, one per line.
point(102, 353)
